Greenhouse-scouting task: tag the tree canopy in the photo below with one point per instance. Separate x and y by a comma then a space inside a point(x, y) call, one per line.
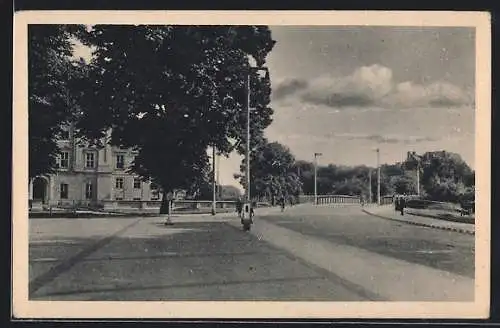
point(52, 75)
point(272, 172)
point(170, 92)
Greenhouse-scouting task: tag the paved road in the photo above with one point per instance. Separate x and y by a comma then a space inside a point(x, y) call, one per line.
point(205, 258)
point(440, 249)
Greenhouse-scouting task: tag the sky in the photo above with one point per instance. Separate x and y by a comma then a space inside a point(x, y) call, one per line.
point(345, 91)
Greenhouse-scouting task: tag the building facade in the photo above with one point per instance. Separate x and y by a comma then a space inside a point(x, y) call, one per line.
point(91, 177)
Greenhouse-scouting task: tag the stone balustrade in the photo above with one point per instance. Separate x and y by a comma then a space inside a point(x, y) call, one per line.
point(339, 199)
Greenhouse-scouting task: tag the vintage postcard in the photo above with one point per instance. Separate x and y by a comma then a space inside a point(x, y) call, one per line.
point(239, 164)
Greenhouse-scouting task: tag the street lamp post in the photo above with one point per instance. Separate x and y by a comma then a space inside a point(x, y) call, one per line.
point(214, 199)
point(378, 176)
point(219, 188)
point(248, 107)
point(370, 197)
point(418, 178)
point(316, 177)
point(247, 173)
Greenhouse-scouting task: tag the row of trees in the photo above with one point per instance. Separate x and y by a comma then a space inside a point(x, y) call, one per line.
point(444, 176)
point(170, 92)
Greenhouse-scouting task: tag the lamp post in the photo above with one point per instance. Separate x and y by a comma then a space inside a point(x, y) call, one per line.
point(247, 160)
point(418, 178)
point(316, 177)
point(370, 197)
point(219, 187)
point(214, 199)
point(378, 176)
point(248, 107)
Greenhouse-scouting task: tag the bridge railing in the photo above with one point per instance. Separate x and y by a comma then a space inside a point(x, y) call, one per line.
point(330, 199)
point(177, 205)
point(340, 199)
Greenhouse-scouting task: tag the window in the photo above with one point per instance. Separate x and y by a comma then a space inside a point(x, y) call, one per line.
point(65, 135)
point(155, 194)
point(137, 183)
point(63, 191)
point(119, 183)
point(88, 191)
point(120, 161)
point(89, 160)
point(64, 160)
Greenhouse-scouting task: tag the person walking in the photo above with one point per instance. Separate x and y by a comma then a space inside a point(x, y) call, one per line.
point(402, 204)
point(239, 206)
point(282, 203)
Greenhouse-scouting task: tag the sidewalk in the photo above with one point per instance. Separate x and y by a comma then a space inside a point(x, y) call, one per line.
point(387, 212)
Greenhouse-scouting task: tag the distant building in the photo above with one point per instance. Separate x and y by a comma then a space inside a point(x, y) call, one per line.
point(92, 177)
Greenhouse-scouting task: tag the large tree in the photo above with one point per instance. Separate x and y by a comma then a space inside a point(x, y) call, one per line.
point(272, 172)
point(52, 74)
point(173, 91)
point(445, 176)
point(405, 183)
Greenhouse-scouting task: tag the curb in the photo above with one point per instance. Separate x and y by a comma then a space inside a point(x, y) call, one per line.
point(463, 231)
point(119, 215)
point(470, 221)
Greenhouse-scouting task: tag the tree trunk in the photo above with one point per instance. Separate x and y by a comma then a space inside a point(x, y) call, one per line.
point(164, 207)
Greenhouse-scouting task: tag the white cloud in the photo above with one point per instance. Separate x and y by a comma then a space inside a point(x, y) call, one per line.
point(372, 86)
point(436, 94)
